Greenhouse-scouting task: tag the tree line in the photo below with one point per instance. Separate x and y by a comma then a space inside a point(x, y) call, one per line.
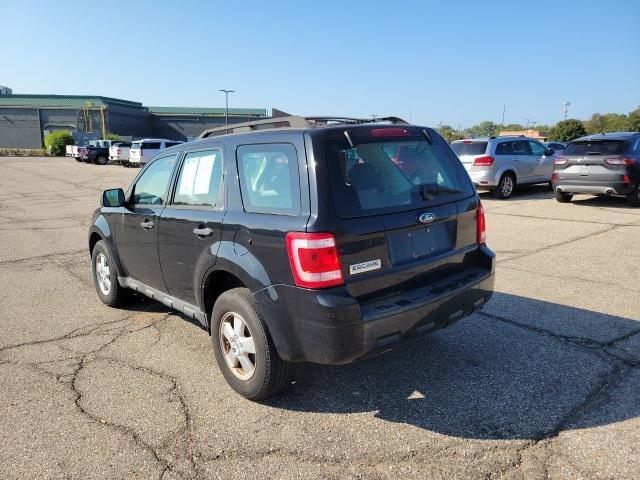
point(563, 131)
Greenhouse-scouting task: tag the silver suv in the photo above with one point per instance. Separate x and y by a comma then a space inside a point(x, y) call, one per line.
point(498, 164)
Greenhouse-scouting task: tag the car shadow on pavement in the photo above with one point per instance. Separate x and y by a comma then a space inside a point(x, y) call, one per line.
point(487, 377)
point(525, 192)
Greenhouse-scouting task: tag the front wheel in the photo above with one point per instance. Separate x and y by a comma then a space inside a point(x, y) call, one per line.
point(244, 349)
point(633, 198)
point(505, 186)
point(105, 277)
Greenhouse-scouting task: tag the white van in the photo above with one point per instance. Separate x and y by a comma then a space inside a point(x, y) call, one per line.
point(142, 150)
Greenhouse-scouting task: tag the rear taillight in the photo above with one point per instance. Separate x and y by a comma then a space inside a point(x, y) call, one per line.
point(619, 161)
point(560, 161)
point(481, 226)
point(483, 162)
point(314, 259)
point(118, 152)
point(554, 177)
point(625, 179)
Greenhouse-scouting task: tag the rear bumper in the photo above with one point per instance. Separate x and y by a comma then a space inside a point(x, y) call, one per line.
point(483, 179)
point(594, 188)
point(331, 327)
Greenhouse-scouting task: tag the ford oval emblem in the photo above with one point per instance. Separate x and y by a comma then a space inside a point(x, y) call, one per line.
point(426, 217)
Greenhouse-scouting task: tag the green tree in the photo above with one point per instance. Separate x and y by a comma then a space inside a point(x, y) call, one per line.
point(449, 133)
point(112, 136)
point(609, 122)
point(513, 127)
point(483, 129)
point(634, 120)
point(56, 142)
point(567, 130)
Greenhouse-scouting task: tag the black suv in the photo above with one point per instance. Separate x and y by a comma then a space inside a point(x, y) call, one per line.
point(602, 164)
point(321, 240)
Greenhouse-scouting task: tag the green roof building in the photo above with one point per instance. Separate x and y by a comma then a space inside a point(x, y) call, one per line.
point(26, 119)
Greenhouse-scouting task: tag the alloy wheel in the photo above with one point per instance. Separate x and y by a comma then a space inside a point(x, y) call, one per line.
point(506, 188)
point(103, 274)
point(238, 346)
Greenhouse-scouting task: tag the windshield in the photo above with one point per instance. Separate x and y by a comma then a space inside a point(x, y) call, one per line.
point(595, 147)
point(469, 148)
point(391, 175)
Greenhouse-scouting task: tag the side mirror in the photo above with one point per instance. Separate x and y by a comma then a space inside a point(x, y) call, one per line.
point(113, 198)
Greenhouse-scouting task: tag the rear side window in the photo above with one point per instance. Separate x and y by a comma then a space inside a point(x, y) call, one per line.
point(151, 187)
point(389, 175)
point(503, 148)
point(595, 147)
point(469, 148)
point(151, 145)
point(200, 180)
point(269, 180)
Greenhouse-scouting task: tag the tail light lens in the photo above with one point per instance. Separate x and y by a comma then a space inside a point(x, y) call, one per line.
point(619, 161)
point(554, 177)
point(625, 179)
point(314, 259)
point(481, 226)
point(483, 162)
point(560, 161)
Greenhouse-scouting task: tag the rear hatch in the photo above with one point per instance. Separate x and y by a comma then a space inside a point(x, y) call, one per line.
point(468, 150)
point(405, 210)
point(591, 161)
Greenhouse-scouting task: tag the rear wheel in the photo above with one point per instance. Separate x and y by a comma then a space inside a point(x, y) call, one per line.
point(563, 197)
point(78, 159)
point(633, 198)
point(244, 349)
point(505, 186)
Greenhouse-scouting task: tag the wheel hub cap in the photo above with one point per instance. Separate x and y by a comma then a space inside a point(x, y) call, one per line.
point(237, 345)
point(103, 274)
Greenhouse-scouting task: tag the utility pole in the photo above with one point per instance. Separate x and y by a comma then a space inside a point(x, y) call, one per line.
point(566, 109)
point(226, 110)
point(527, 123)
point(504, 109)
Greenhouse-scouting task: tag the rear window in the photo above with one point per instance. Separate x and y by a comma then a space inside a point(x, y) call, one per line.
point(136, 145)
point(386, 175)
point(595, 147)
point(469, 148)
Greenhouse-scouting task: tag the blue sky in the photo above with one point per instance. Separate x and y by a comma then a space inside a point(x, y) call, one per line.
point(454, 62)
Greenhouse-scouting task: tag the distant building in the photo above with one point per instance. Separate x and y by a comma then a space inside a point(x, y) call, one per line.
point(26, 119)
point(537, 134)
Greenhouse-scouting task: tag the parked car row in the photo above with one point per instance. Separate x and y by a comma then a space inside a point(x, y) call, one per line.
point(129, 154)
point(602, 164)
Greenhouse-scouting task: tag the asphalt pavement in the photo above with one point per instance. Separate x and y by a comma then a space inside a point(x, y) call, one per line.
point(542, 383)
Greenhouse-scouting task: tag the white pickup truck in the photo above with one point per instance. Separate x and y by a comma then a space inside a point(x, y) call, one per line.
point(119, 152)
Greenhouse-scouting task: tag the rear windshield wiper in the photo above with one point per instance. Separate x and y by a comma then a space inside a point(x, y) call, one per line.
point(429, 192)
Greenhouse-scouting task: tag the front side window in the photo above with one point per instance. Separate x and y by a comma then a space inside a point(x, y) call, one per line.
point(200, 180)
point(537, 148)
point(269, 180)
point(151, 187)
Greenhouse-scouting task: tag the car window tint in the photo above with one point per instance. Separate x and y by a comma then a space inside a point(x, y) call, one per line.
point(269, 180)
point(469, 148)
point(520, 147)
point(171, 144)
point(537, 148)
point(151, 187)
point(200, 179)
point(151, 145)
point(503, 148)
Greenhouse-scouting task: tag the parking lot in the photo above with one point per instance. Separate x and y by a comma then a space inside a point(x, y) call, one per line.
point(543, 383)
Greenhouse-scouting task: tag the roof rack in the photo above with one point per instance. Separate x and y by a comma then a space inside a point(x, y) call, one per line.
point(294, 121)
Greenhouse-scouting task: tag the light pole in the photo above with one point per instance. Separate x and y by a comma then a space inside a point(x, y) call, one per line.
point(226, 103)
point(566, 109)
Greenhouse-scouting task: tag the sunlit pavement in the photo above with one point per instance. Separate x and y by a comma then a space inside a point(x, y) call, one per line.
point(543, 383)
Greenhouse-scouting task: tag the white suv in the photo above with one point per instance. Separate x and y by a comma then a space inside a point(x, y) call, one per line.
point(142, 150)
point(498, 164)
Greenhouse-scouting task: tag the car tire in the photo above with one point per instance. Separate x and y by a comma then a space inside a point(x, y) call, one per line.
point(102, 160)
point(633, 197)
point(78, 159)
point(563, 197)
point(106, 282)
point(505, 186)
point(243, 348)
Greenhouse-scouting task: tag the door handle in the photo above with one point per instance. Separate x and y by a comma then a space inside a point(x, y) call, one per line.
point(147, 224)
point(203, 232)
